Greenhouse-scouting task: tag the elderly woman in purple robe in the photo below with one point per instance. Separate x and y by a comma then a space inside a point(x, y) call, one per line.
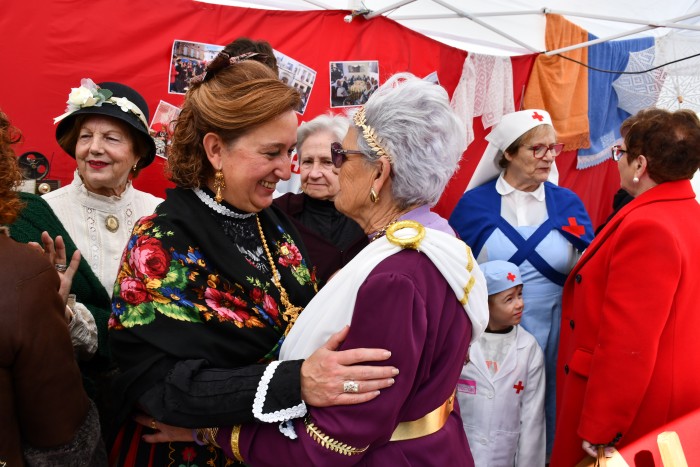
point(415, 290)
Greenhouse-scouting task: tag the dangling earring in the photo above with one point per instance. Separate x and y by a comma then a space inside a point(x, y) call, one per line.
point(373, 195)
point(635, 180)
point(133, 169)
point(219, 185)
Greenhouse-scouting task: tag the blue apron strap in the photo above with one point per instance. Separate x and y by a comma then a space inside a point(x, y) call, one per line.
point(526, 249)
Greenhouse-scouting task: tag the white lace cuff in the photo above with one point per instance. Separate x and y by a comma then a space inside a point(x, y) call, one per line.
point(287, 429)
point(83, 331)
point(261, 394)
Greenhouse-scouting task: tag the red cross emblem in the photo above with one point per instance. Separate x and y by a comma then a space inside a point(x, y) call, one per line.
point(573, 228)
point(511, 277)
point(295, 163)
point(536, 116)
point(518, 387)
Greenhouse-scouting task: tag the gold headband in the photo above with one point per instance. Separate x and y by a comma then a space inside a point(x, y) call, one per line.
point(370, 135)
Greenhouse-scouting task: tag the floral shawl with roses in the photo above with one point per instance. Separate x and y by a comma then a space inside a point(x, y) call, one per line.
point(195, 313)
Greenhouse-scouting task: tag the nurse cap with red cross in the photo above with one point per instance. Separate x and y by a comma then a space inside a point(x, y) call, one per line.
point(510, 128)
point(500, 275)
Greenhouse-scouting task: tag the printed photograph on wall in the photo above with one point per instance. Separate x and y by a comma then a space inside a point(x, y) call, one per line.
point(353, 82)
point(189, 59)
point(162, 128)
point(296, 75)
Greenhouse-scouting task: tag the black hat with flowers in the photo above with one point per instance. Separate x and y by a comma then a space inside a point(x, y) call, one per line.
point(111, 99)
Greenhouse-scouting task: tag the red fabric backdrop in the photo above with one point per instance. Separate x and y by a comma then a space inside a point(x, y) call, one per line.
point(49, 46)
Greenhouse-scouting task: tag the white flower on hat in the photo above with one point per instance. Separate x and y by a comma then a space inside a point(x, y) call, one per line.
point(125, 104)
point(89, 94)
point(80, 97)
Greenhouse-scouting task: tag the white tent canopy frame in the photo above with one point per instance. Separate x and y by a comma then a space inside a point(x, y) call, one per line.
point(510, 27)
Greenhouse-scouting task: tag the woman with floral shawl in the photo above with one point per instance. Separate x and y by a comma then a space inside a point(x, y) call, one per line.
point(210, 284)
point(415, 289)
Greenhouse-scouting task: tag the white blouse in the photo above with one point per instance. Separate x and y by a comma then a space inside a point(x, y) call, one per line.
point(100, 225)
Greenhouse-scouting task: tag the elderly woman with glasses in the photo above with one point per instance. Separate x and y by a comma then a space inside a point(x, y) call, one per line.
point(415, 290)
point(512, 212)
point(628, 353)
point(331, 238)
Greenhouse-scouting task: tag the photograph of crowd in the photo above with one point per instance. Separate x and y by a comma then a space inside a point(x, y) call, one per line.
point(162, 128)
point(296, 75)
point(189, 59)
point(353, 82)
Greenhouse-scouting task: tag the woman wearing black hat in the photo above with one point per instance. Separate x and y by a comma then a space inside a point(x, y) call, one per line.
point(105, 128)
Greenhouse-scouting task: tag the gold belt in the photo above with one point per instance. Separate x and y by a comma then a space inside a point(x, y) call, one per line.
point(427, 424)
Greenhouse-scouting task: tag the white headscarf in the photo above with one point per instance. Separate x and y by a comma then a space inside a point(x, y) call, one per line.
point(510, 128)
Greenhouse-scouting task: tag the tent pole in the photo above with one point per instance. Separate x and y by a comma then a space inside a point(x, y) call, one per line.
point(388, 8)
point(617, 36)
point(464, 14)
point(455, 15)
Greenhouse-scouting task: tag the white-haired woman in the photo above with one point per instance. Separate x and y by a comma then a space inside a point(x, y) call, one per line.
point(331, 238)
point(415, 290)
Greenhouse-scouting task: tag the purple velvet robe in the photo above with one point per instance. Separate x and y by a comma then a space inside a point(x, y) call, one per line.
point(406, 306)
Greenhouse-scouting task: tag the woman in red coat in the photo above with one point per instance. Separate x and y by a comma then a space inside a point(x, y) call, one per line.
point(629, 352)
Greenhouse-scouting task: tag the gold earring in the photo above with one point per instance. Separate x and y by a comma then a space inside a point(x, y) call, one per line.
point(133, 169)
point(373, 195)
point(219, 185)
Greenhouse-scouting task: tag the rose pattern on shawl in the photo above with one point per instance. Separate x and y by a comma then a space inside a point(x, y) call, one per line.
point(270, 306)
point(230, 308)
point(133, 291)
point(156, 278)
point(148, 258)
point(257, 295)
point(290, 256)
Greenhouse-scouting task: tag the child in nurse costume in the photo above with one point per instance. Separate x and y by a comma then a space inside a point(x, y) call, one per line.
point(501, 388)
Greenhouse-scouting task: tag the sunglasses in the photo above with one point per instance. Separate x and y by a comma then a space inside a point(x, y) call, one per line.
point(617, 152)
point(340, 155)
point(539, 150)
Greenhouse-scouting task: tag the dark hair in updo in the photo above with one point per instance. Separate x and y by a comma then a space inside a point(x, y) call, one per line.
point(670, 142)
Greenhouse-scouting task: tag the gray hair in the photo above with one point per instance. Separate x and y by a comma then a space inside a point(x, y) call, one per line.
point(424, 138)
point(337, 125)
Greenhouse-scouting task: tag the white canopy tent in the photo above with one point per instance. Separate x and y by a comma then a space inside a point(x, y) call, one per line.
point(517, 27)
point(510, 27)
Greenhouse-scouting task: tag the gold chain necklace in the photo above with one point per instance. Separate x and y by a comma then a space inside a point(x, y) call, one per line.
point(381, 232)
point(291, 312)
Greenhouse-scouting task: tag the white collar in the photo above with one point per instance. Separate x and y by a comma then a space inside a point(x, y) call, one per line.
point(504, 188)
point(98, 201)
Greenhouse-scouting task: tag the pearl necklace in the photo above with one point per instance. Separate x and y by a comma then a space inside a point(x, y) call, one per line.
point(221, 209)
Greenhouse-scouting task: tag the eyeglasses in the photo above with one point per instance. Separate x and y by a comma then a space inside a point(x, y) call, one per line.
point(617, 152)
point(340, 155)
point(539, 150)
